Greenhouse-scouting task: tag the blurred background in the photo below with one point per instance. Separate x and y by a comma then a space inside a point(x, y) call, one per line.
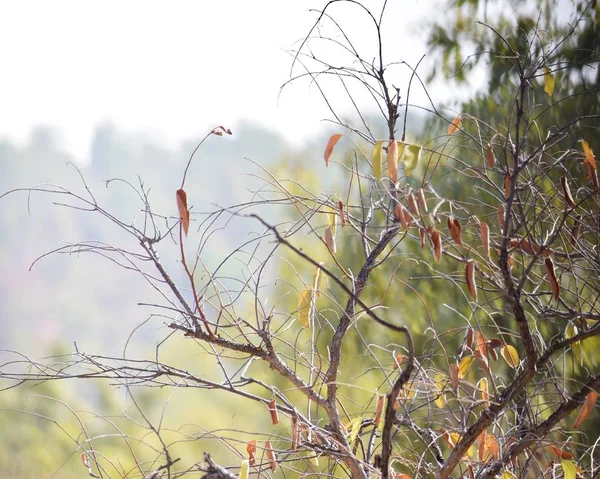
point(126, 90)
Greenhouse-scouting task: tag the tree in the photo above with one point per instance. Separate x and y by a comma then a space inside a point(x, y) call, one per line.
point(350, 383)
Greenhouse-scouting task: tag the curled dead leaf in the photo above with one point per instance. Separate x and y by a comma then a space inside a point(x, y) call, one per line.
point(402, 215)
point(501, 214)
point(330, 145)
point(422, 237)
point(272, 406)
point(588, 406)
point(575, 231)
point(251, 449)
point(485, 239)
point(342, 214)
point(590, 158)
point(421, 200)
point(455, 230)
point(184, 212)
point(552, 278)
point(436, 240)
point(453, 370)
point(489, 156)
point(379, 410)
point(507, 180)
point(455, 125)
point(470, 278)
point(567, 192)
point(412, 204)
point(330, 239)
point(270, 456)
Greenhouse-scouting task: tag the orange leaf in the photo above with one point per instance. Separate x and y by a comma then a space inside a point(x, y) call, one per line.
point(399, 359)
point(270, 456)
point(567, 191)
point(455, 125)
point(485, 239)
point(421, 200)
point(379, 410)
point(184, 213)
point(330, 145)
point(273, 411)
point(402, 215)
point(251, 449)
point(412, 204)
point(481, 441)
point(552, 278)
point(481, 343)
point(587, 407)
point(436, 239)
point(558, 452)
point(392, 160)
point(489, 156)
point(590, 159)
point(470, 278)
point(491, 447)
point(454, 227)
point(342, 215)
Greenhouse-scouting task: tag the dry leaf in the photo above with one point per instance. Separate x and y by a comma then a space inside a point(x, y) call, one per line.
point(399, 359)
point(422, 203)
point(412, 204)
point(392, 160)
point(377, 160)
point(501, 214)
point(587, 407)
point(590, 159)
point(507, 180)
point(342, 214)
point(575, 231)
point(184, 213)
point(84, 460)
point(295, 433)
point(482, 385)
point(270, 456)
point(485, 239)
point(272, 406)
point(470, 278)
point(379, 410)
point(552, 278)
point(567, 191)
point(482, 360)
point(481, 441)
point(330, 239)
point(558, 452)
point(489, 156)
point(510, 355)
point(455, 231)
point(455, 125)
point(454, 375)
point(251, 449)
point(402, 215)
point(422, 236)
point(492, 448)
point(436, 239)
point(330, 145)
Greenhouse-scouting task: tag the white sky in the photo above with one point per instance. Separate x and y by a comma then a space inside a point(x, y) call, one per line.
point(170, 68)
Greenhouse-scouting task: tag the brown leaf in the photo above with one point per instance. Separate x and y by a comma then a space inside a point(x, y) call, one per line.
point(501, 214)
point(422, 235)
point(481, 343)
point(330, 239)
point(481, 441)
point(412, 204)
point(453, 370)
point(485, 239)
point(507, 180)
point(399, 359)
point(184, 213)
point(482, 360)
point(587, 407)
point(491, 447)
point(558, 452)
point(330, 145)
point(421, 200)
point(470, 278)
point(567, 192)
point(341, 211)
point(270, 456)
point(436, 240)
point(455, 125)
point(392, 160)
point(379, 410)
point(454, 227)
point(489, 156)
point(295, 433)
point(272, 406)
point(402, 215)
point(251, 449)
point(552, 278)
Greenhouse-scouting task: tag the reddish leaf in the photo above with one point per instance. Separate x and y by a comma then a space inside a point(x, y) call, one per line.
point(402, 215)
point(342, 214)
point(587, 407)
point(392, 160)
point(552, 278)
point(84, 459)
point(184, 213)
point(436, 239)
point(528, 247)
point(470, 278)
point(558, 452)
point(251, 449)
point(270, 456)
point(273, 411)
point(399, 359)
point(454, 227)
point(330, 145)
point(481, 343)
point(412, 204)
point(455, 125)
point(507, 180)
point(567, 192)
point(482, 360)
point(481, 441)
point(485, 239)
point(501, 214)
point(489, 156)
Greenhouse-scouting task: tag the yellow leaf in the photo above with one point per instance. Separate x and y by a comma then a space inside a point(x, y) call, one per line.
point(329, 148)
point(510, 355)
point(455, 125)
point(590, 159)
point(508, 475)
point(332, 222)
point(439, 381)
point(569, 469)
point(548, 81)
point(482, 385)
point(377, 160)
point(464, 365)
point(305, 299)
point(411, 157)
point(354, 427)
point(576, 346)
point(244, 469)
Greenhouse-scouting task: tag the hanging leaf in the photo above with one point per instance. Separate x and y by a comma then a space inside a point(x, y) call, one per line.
point(270, 456)
point(341, 212)
point(481, 343)
point(570, 332)
point(455, 125)
point(184, 213)
point(501, 214)
point(482, 385)
point(552, 278)
point(402, 215)
point(251, 449)
point(454, 227)
point(436, 240)
point(470, 278)
point(485, 239)
point(560, 453)
point(421, 200)
point(569, 469)
point(354, 427)
point(392, 160)
point(304, 304)
point(576, 231)
point(507, 180)
point(316, 280)
point(439, 382)
point(412, 204)
point(411, 158)
point(567, 192)
point(482, 360)
point(272, 406)
point(548, 81)
point(481, 441)
point(510, 355)
point(590, 159)
point(422, 236)
point(244, 469)
point(330, 239)
point(492, 448)
point(330, 145)
point(489, 156)
point(377, 160)
point(379, 410)
point(464, 365)
point(295, 433)
point(454, 375)
point(587, 407)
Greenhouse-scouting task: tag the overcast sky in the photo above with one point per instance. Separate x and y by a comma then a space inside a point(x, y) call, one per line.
point(169, 69)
